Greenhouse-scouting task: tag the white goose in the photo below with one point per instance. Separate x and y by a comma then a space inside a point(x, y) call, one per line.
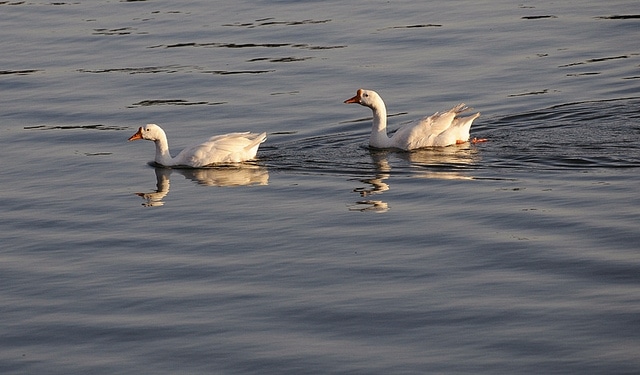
point(439, 129)
point(226, 148)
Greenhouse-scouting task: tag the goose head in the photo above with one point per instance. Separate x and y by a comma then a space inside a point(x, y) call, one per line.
point(367, 98)
point(150, 132)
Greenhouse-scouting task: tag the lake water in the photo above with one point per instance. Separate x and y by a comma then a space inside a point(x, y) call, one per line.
point(516, 256)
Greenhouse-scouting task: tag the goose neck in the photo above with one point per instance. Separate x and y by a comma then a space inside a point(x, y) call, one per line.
point(163, 156)
point(379, 136)
point(380, 118)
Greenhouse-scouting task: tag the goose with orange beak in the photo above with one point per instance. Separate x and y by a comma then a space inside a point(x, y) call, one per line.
point(438, 130)
point(226, 148)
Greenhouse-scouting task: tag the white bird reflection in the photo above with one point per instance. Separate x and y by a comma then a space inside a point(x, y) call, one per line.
point(232, 175)
point(376, 185)
point(438, 163)
point(445, 163)
point(154, 198)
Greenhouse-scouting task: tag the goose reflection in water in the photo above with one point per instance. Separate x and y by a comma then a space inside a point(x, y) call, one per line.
point(154, 198)
point(447, 163)
point(232, 175)
point(376, 184)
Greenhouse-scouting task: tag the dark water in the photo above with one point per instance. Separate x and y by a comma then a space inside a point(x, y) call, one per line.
point(515, 256)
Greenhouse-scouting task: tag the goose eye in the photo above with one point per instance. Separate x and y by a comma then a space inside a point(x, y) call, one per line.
point(366, 95)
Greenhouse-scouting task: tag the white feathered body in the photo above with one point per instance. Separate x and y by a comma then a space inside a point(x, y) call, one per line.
point(226, 148)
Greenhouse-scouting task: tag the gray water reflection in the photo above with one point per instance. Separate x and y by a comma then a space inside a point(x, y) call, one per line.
point(155, 198)
point(376, 184)
point(446, 163)
point(224, 176)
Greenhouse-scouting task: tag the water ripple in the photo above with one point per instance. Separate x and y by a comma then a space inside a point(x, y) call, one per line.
point(272, 22)
point(154, 102)
point(601, 134)
point(21, 72)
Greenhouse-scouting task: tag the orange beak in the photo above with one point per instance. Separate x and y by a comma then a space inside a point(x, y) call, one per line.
point(355, 99)
point(136, 136)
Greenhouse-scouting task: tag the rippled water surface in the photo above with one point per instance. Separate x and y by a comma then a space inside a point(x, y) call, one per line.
point(515, 256)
